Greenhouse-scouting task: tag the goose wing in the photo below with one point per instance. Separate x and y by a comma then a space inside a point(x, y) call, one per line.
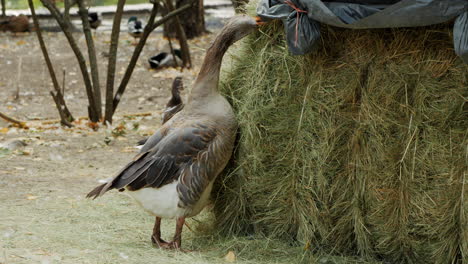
point(165, 157)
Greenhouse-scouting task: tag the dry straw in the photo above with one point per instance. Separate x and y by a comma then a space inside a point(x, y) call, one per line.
point(357, 149)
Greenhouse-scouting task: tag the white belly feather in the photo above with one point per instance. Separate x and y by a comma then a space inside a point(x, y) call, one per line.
point(163, 202)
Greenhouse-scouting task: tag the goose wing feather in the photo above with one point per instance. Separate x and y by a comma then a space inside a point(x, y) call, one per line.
point(164, 158)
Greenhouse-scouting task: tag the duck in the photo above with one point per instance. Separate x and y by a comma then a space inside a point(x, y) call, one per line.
point(15, 24)
point(165, 59)
point(95, 19)
point(135, 27)
point(173, 174)
point(173, 106)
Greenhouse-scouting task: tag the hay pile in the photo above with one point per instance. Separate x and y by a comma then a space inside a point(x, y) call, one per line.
point(358, 149)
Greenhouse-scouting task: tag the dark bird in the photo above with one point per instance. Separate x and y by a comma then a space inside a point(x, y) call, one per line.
point(173, 174)
point(15, 24)
point(95, 19)
point(135, 27)
point(166, 59)
point(174, 105)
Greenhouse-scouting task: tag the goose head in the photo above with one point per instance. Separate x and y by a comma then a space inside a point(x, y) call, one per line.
point(237, 28)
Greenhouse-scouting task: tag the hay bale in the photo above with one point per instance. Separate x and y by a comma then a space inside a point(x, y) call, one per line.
point(357, 149)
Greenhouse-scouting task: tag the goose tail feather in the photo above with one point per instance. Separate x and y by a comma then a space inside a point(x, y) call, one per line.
point(98, 191)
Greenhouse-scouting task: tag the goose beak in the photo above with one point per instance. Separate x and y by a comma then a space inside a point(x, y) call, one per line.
point(259, 21)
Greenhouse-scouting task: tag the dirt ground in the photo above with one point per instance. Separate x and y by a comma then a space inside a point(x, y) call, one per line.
point(44, 216)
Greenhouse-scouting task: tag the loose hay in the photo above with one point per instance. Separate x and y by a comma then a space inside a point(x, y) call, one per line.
point(357, 149)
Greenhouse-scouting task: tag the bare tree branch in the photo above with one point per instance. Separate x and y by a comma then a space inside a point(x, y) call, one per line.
point(83, 12)
point(112, 61)
point(176, 64)
point(136, 54)
point(18, 78)
point(92, 111)
point(170, 15)
point(64, 74)
point(66, 13)
point(186, 61)
point(3, 8)
point(148, 29)
point(62, 108)
point(12, 120)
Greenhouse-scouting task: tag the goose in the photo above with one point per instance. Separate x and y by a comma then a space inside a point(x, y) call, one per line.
point(173, 174)
point(165, 59)
point(174, 105)
point(135, 27)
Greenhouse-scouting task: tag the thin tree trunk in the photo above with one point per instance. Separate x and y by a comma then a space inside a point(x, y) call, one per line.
point(193, 22)
point(66, 13)
point(92, 111)
point(176, 64)
point(83, 12)
point(186, 61)
point(3, 8)
point(112, 61)
point(148, 29)
point(136, 54)
point(65, 115)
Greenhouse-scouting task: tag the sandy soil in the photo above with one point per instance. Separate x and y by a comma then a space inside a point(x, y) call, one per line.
point(44, 217)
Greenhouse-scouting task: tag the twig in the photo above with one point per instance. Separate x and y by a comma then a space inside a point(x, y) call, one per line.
point(12, 120)
point(112, 61)
point(18, 78)
point(62, 108)
point(138, 114)
point(64, 73)
point(148, 29)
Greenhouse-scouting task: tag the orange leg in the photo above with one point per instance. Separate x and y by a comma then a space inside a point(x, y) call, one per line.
point(156, 237)
point(177, 241)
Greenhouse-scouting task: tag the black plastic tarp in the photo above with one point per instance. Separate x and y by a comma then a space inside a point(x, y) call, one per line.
point(302, 18)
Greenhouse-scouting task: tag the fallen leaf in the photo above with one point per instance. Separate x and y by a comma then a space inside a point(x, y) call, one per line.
point(230, 257)
point(20, 42)
point(31, 197)
point(128, 149)
point(307, 245)
point(93, 125)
